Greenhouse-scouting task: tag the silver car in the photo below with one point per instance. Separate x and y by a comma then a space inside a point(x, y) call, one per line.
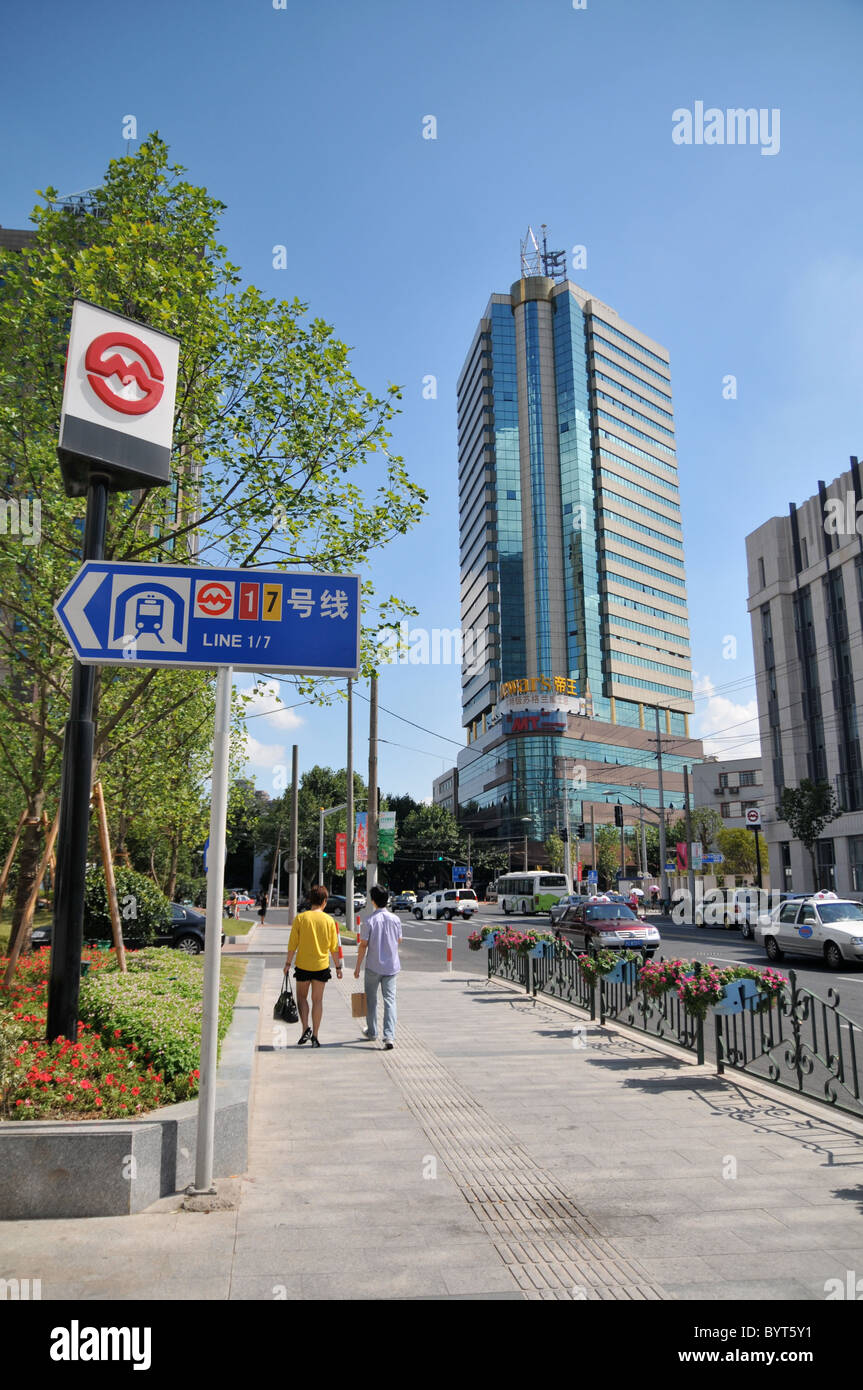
point(559, 908)
point(823, 925)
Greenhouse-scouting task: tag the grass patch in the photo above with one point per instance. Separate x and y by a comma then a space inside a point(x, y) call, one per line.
point(231, 926)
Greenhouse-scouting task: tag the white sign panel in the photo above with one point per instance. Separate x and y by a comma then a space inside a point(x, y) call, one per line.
point(753, 816)
point(118, 401)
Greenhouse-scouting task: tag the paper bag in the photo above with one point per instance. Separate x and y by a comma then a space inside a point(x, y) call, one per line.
point(358, 1006)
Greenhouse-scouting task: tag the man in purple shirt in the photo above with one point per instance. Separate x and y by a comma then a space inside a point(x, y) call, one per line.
point(379, 947)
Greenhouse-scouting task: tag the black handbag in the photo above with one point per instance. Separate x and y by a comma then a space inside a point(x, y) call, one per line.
point(286, 1005)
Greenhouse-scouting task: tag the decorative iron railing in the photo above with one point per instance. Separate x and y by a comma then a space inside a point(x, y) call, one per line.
point(802, 1043)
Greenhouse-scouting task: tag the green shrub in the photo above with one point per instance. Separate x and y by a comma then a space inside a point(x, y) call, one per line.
point(145, 912)
point(156, 1008)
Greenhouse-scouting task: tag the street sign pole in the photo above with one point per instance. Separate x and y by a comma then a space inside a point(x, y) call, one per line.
point(213, 937)
point(69, 886)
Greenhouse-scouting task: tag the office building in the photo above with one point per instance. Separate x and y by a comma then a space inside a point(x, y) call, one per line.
point(730, 787)
point(573, 582)
point(806, 607)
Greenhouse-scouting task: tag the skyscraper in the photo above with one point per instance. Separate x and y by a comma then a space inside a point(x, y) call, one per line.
point(573, 582)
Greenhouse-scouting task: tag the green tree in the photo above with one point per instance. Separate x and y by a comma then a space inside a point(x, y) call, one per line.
point(706, 825)
point(807, 809)
point(271, 428)
point(737, 847)
point(554, 848)
point(607, 855)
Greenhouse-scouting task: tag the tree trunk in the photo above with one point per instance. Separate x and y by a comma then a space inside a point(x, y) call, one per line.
point(172, 869)
point(28, 863)
point(815, 884)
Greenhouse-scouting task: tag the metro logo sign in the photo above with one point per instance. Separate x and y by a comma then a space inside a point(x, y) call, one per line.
point(214, 600)
point(149, 378)
point(117, 419)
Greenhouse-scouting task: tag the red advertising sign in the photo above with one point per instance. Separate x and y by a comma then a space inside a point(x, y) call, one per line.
point(682, 860)
point(341, 852)
point(578, 871)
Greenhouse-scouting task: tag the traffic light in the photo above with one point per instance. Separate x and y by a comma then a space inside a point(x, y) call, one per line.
point(580, 831)
point(440, 858)
point(564, 834)
point(618, 814)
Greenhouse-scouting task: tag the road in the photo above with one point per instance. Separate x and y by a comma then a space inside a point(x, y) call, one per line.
point(424, 948)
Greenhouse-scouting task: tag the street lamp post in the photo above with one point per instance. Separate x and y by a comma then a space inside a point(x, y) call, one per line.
point(525, 820)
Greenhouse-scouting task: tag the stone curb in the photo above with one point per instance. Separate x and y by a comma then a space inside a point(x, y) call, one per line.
point(117, 1167)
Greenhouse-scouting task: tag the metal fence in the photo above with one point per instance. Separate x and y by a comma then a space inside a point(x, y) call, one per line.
point(803, 1043)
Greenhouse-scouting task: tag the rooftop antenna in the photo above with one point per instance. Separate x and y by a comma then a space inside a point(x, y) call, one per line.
point(534, 261)
point(553, 262)
point(530, 254)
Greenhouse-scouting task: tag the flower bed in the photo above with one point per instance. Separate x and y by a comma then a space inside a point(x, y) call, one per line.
point(603, 962)
point(521, 942)
point(138, 1043)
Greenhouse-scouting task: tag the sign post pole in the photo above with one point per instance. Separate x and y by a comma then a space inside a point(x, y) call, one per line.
point(68, 929)
point(213, 937)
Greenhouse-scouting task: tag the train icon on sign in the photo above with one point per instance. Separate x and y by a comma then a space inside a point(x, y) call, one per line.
point(149, 615)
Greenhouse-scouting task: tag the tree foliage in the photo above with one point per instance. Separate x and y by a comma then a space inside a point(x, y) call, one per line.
point(271, 432)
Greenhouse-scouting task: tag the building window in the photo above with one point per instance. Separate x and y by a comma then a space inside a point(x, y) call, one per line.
point(747, 779)
point(855, 857)
point(724, 810)
point(785, 850)
point(804, 553)
point(510, 495)
point(723, 779)
point(762, 580)
point(825, 865)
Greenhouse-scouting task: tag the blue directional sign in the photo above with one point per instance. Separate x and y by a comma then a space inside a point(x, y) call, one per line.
point(115, 613)
point(592, 876)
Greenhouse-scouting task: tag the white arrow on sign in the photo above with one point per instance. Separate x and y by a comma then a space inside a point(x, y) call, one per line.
point(74, 612)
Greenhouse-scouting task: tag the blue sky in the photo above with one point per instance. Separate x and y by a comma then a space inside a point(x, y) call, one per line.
point(307, 121)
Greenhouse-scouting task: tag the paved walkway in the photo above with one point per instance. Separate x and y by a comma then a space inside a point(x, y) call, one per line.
point(505, 1149)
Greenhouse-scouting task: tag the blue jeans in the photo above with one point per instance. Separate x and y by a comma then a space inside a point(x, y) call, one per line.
point(388, 989)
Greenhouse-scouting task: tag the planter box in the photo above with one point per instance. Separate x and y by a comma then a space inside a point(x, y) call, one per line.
point(738, 996)
point(50, 1169)
point(542, 951)
point(624, 973)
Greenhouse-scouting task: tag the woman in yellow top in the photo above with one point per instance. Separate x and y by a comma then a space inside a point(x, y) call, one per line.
point(314, 937)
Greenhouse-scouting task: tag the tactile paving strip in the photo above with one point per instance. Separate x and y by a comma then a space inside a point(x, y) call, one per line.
point(551, 1248)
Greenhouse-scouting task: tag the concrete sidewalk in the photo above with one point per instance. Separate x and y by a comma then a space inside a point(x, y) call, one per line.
point(504, 1149)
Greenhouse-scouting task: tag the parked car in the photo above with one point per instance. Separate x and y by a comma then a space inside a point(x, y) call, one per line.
point(589, 927)
point(822, 925)
point(186, 932)
point(557, 910)
point(447, 902)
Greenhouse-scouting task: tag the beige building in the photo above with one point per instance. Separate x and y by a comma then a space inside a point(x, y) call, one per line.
point(806, 607)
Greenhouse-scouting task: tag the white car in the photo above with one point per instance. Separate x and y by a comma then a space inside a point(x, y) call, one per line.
point(448, 902)
point(823, 925)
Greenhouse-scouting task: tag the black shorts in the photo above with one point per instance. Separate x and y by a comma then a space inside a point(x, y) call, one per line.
point(312, 974)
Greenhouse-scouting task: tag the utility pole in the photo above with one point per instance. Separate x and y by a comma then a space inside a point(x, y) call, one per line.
point(349, 837)
point(567, 862)
point(321, 846)
point(622, 843)
point(663, 848)
point(295, 815)
point(372, 812)
point(691, 870)
point(593, 836)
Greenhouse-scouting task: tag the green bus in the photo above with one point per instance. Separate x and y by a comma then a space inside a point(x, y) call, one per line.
point(531, 892)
